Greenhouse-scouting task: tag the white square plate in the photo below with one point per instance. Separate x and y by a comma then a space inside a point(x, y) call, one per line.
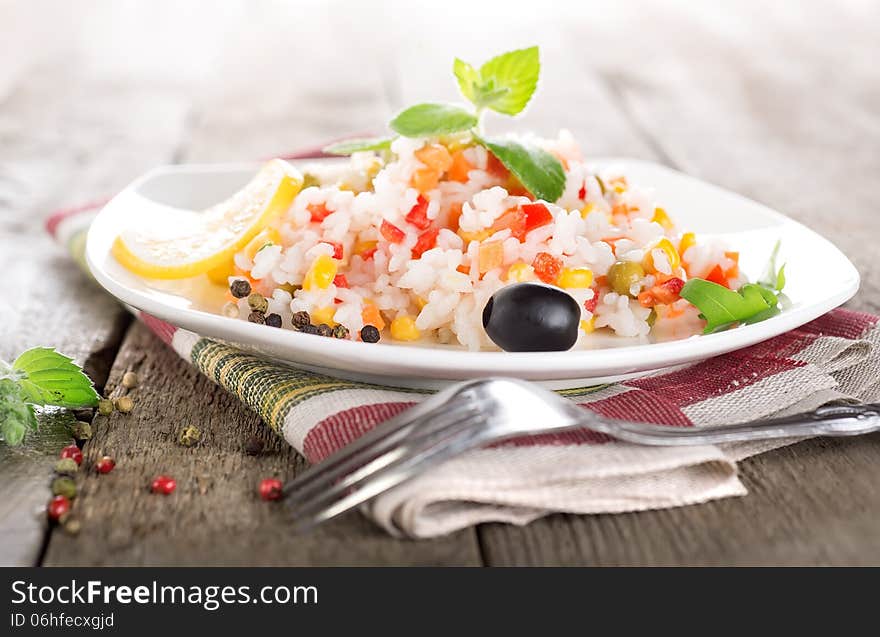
point(819, 278)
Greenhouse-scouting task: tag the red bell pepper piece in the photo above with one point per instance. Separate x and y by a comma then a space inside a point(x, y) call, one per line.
point(716, 275)
point(537, 215)
point(418, 214)
point(391, 233)
point(426, 241)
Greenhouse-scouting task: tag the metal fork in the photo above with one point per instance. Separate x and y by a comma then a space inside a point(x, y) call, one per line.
point(478, 412)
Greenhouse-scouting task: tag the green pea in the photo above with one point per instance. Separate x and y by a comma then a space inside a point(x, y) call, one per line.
point(623, 274)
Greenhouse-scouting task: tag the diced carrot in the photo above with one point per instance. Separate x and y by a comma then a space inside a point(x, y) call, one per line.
point(464, 269)
point(425, 179)
point(491, 256)
point(435, 157)
point(733, 271)
point(418, 214)
point(454, 216)
point(391, 233)
point(370, 315)
point(362, 247)
point(716, 275)
point(460, 167)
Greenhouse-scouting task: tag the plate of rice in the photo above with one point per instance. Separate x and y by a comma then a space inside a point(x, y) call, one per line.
point(386, 265)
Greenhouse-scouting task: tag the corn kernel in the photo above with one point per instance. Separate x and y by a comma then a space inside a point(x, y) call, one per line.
point(575, 278)
point(360, 247)
point(586, 210)
point(321, 274)
point(403, 328)
point(662, 218)
point(688, 239)
point(589, 326)
point(671, 255)
point(519, 272)
point(324, 315)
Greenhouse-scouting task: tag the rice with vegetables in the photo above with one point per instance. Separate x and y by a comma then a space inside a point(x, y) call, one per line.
point(409, 238)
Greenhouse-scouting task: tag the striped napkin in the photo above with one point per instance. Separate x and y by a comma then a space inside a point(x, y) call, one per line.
point(835, 357)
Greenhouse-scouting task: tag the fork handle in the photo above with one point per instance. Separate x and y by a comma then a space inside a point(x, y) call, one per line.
point(828, 420)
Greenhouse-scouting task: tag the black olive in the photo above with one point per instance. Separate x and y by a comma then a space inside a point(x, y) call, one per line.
point(532, 317)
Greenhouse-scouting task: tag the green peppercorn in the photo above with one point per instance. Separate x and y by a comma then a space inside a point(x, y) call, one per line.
point(189, 436)
point(258, 302)
point(273, 320)
point(340, 331)
point(325, 330)
point(81, 430)
point(309, 329)
point(105, 407)
point(130, 380)
point(66, 467)
point(369, 334)
point(623, 275)
point(123, 404)
point(64, 486)
point(240, 288)
point(257, 317)
point(301, 319)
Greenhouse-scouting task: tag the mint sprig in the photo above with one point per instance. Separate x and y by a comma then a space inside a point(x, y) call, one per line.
point(40, 376)
point(504, 84)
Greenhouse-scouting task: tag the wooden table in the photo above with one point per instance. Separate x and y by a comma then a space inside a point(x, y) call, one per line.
point(778, 101)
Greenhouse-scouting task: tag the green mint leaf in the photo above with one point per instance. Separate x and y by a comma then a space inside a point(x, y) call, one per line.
point(539, 171)
point(349, 146)
point(772, 278)
point(780, 278)
point(508, 81)
point(722, 308)
point(468, 79)
point(50, 378)
point(16, 416)
point(425, 120)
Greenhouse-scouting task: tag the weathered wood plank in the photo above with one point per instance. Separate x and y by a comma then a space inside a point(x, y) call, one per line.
point(215, 516)
point(63, 140)
point(715, 105)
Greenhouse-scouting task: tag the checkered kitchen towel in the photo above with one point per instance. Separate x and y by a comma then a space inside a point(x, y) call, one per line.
point(836, 356)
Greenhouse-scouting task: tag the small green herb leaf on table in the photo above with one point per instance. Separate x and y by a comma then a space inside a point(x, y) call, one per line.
point(50, 378)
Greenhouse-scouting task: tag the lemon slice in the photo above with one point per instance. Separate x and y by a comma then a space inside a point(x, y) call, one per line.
point(170, 243)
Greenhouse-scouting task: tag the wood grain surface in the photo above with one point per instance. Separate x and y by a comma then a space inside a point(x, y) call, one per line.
point(780, 105)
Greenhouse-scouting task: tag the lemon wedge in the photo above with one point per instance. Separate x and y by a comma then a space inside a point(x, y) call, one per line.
point(169, 243)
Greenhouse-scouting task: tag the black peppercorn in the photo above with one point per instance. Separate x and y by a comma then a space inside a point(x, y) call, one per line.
point(369, 334)
point(254, 446)
point(340, 331)
point(273, 320)
point(325, 330)
point(301, 319)
point(240, 288)
point(257, 317)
